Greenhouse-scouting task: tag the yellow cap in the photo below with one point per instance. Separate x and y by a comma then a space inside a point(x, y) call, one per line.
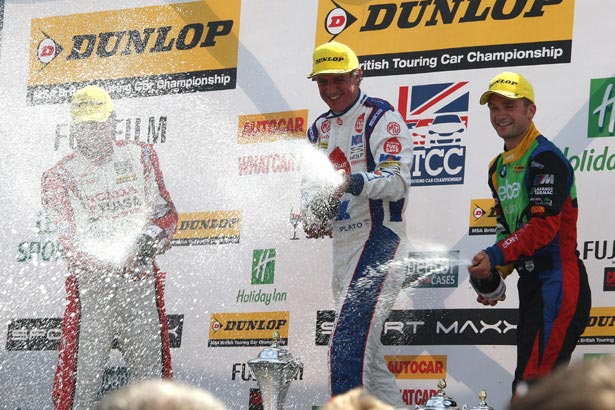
point(90, 103)
point(509, 85)
point(333, 58)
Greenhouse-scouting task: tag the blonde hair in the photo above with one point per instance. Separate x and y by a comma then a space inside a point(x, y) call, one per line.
point(356, 399)
point(160, 395)
point(587, 385)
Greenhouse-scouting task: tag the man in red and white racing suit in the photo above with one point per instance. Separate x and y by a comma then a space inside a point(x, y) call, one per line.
point(369, 142)
point(113, 215)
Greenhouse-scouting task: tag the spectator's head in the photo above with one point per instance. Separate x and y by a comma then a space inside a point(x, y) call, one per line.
point(356, 399)
point(338, 74)
point(586, 385)
point(160, 395)
point(92, 121)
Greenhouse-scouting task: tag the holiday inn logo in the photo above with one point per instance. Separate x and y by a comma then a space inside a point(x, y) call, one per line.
point(601, 108)
point(263, 273)
point(263, 266)
point(600, 123)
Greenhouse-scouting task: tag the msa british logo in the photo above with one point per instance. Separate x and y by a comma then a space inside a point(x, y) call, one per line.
point(482, 217)
point(437, 116)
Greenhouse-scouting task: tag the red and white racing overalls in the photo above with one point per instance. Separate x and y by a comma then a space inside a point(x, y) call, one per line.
point(100, 209)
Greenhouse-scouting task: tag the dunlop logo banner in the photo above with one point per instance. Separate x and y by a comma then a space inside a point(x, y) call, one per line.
point(149, 51)
point(405, 37)
point(208, 228)
point(601, 327)
point(247, 329)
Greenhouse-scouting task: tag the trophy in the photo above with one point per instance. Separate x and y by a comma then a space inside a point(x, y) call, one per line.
point(273, 370)
point(440, 400)
point(482, 404)
point(295, 218)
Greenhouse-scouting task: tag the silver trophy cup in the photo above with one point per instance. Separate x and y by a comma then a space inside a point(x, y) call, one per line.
point(482, 404)
point(440, 401)
point(273, 370)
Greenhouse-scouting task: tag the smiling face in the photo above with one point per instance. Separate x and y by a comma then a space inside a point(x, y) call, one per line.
point(339, 91)
point(511, 118)
point(94, 138)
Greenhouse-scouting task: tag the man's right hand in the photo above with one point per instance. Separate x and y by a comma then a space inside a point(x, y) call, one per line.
point(314, 231)
point(481, 266)
point(481, 299)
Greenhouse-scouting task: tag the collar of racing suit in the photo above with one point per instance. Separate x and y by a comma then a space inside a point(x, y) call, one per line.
point(517, 152)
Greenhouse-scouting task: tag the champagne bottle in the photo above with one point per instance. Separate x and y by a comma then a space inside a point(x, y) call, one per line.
point(491, 288)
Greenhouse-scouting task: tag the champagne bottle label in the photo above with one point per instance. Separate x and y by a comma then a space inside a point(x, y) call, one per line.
point(491, 288)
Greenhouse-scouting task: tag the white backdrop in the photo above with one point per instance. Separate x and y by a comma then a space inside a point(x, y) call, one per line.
point(201, 156)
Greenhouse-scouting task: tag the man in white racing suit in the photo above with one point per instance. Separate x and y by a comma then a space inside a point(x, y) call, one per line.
point(113, 215)
point(368, 142)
